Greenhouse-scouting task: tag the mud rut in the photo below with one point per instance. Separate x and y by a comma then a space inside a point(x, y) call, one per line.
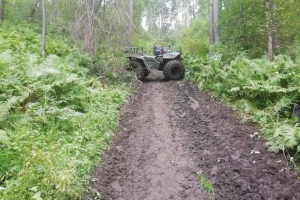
point(170, 131)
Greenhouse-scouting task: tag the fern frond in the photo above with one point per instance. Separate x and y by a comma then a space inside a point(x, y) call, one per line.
point(284, 136)
point(71, 78)
point(6, 106)
point(282, 103)
point(51, 61)
point(7, 57)
point(3, 137)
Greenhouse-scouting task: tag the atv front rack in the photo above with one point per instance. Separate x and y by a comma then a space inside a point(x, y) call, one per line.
point(134, 50)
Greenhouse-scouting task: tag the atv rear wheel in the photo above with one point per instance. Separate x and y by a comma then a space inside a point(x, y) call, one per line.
point(174, 70)
point(140, 71)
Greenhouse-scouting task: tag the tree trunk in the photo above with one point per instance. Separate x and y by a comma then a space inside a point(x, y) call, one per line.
point(269, 30)
point(211, 24)
point(130, 27)
point(2, 6)
point(161, 18)
point(276, 35)
point(89, 27)
point(216, 21)
point(44, 29)
point(275, 32)
point(214, 30)
point(99, 6)
point(33, 9)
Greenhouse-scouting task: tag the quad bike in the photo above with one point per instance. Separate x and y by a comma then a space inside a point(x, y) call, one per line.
point(170, 63)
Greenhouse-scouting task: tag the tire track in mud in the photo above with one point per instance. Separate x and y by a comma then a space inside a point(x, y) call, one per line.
point(235, 161)
point(169, 132)
point(146, 159)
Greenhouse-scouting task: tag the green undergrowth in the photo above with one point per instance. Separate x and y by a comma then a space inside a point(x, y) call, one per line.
point(265, 92)
point(206, 184)
point(55, 118)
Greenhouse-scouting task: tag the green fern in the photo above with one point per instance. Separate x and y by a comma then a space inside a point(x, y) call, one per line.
point(11, 103)
point(4, 139)
point(285, 137)
point(7, 57)
point(280, 105)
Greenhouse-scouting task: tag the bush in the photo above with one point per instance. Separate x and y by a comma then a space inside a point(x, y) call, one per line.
point(194, 40)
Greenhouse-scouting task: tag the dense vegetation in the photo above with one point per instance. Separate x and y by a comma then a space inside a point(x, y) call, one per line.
point(263, 91)
point(237, 72)
point(55, 117)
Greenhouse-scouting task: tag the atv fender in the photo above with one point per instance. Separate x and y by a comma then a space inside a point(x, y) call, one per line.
point(139, 59)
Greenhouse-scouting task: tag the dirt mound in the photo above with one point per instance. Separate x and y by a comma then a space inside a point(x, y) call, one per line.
point(169, 132)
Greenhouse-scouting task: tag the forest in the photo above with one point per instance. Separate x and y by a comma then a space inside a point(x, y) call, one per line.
point(63, 80)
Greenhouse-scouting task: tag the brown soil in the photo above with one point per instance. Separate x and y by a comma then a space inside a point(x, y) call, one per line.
point(169, 132)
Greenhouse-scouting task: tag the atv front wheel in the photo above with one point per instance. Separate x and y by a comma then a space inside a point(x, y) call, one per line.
point(174, 70)
point(140, 71)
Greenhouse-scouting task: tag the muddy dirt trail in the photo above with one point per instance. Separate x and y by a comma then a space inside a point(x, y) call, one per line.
point(169, 132)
